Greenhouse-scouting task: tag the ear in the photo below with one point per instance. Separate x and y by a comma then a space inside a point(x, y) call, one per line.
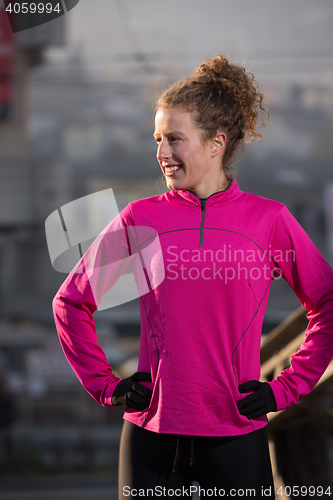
point(218, 143)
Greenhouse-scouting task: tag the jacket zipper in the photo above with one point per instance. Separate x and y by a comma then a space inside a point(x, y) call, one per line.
point(203, 202)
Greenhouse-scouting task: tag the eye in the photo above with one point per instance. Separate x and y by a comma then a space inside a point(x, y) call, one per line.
point(173, 139)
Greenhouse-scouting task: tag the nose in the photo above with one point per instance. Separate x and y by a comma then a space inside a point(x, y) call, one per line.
point(163, 150)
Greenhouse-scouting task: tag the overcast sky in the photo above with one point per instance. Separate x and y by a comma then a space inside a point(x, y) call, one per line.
point(282, 41)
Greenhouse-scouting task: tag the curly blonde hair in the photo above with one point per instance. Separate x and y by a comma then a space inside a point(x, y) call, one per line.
point(221, 96)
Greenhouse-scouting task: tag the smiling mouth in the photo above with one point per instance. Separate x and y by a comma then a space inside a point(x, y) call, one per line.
point(171, 170)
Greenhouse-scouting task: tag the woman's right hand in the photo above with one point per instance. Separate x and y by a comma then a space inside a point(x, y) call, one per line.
point(132, 394)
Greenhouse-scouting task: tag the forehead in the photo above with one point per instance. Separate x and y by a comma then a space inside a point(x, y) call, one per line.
point(172, 119)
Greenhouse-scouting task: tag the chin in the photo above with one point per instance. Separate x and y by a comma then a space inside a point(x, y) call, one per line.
point(172, 184)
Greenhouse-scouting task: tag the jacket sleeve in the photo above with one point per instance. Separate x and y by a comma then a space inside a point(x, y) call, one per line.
point(106, 260)
point(296, 258)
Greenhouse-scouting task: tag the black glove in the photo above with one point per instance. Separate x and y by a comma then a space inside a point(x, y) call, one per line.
point(130, 393)
point(260, 402)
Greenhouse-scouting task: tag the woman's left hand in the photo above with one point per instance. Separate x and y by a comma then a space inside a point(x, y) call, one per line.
point(260, 402)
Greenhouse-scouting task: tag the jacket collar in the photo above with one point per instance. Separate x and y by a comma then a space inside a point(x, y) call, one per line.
point(186, 196)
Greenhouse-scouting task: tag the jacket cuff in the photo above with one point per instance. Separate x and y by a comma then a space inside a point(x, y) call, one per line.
point(106, 399)
point(279, 392)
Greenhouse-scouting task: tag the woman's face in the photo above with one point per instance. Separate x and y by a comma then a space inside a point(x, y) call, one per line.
point(185, 161)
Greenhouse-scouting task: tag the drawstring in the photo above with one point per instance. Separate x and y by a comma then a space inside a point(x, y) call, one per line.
point(192, 453)
point(175, 463)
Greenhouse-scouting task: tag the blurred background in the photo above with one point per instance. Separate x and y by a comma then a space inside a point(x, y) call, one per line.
point(76, 117)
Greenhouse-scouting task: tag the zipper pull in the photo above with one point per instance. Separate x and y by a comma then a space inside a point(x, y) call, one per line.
point(203, 202)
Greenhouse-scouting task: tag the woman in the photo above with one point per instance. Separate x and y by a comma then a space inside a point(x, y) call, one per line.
point(196, 411)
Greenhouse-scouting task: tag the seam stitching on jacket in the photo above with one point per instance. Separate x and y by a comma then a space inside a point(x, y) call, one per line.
point(157, 349)
point(242, 336)
point(212, 228)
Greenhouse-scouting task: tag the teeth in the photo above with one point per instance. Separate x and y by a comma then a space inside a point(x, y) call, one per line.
point(171, 169)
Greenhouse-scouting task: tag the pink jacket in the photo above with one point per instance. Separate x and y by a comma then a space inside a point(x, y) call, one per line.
point(203, 284)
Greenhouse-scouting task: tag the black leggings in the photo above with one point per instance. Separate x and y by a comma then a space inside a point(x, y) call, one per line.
point(164, 465)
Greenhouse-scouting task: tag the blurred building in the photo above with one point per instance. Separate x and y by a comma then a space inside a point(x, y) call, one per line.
point(22, 242)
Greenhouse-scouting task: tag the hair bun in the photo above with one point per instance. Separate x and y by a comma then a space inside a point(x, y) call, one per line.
point(214, 69)
point(229, 77)
point(233, 79)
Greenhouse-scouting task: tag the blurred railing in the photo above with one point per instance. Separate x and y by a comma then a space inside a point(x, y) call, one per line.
point(299, 436)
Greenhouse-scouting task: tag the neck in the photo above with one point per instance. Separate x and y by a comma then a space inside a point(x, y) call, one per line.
point(206, 192)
